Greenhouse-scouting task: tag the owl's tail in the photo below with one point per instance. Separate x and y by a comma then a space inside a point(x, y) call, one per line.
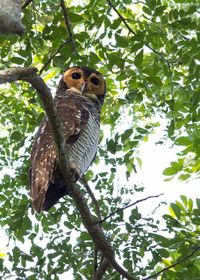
point(56, 190)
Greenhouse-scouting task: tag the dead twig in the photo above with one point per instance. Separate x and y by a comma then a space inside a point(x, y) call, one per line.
point(127, 206)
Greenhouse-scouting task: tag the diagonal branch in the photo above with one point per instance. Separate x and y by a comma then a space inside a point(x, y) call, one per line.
point(67, 22)
point(53, 55)
point(95, 202)
point(26, 3)
point(128, 206)
point(95, 231)
point(154, 276)
point(124, 20)
point(104, 264)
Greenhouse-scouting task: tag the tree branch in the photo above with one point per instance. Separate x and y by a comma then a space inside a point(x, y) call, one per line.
point(95, 202)
point(67, 22)
point(124, 20)
point(98, 271)
point(10, 13)
point(53, 55)
point(127, 206)
point(104, 265)
point(95, 231)
point(26, 3)
point(173, 265)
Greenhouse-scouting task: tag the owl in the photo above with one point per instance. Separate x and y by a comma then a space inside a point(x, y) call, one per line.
point(78, 100)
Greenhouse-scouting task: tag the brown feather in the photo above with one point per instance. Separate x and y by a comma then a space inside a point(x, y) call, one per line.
point(73, 117)
point(79, 97)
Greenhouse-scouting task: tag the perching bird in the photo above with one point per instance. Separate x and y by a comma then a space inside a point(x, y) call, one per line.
point(79, 97)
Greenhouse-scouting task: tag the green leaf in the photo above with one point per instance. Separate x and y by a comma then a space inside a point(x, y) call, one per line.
point(184, 141)
point(127, 133)
point(198, 203)
point(176, 210)
point(116, 23)
point(75, 18)
point(17, 60)
point(122, 42)
point(16, 135)
point(68, 225)
point(164, 253)
point(169, 171)
point(190, 204)
point(139, 59)
point(2, 255)
point(171, 128)
point(159, 10)
point(184, 199)
point(142, 130)
point(161, 240)
point(111, 146)
point(147, 10)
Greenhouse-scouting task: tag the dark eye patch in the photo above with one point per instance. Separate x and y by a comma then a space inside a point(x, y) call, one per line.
point(95, 81)
point(76, 76)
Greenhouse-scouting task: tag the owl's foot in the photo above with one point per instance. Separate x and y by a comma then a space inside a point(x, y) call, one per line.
point(73, 90)
point(73, 172)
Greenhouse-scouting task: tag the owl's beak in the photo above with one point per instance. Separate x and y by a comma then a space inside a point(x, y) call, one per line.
point(83, 88)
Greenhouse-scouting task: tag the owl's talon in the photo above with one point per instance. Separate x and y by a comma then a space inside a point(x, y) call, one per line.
point(73, 172)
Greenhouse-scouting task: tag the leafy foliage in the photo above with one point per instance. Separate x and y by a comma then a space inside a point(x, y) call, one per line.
point(149, 53)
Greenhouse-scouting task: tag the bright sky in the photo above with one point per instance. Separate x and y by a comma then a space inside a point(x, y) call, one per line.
point(155, 158)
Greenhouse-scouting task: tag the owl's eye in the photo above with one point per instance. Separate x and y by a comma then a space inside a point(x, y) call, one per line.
point(95, 81)
point(76, 76)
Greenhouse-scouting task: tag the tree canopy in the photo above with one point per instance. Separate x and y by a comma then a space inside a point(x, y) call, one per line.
point(149, 53)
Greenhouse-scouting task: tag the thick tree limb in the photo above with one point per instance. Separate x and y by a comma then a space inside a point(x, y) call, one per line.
point(95, 231)
point(97, 211)
point(10, 13)
point(104, 265)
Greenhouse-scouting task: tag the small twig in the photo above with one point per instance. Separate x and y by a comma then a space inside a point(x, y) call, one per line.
point(128, 206)
point(173, 265)
point(134, 33)
point(121, 17)
point(26, 3)
point(97, 209)
point(9, 276)
point(67, 22)
point(5, 97)
point(53, 55)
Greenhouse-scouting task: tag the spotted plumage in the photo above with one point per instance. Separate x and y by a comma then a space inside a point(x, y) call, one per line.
point(79, 97)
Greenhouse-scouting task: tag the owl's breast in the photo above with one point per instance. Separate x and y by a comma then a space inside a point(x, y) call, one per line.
point(83, 150)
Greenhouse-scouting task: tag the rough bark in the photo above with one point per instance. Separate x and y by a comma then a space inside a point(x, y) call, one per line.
point(10, 21)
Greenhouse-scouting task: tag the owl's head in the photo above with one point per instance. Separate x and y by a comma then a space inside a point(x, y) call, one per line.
point(85, 81)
